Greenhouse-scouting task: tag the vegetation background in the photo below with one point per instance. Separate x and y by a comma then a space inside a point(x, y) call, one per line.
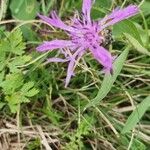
point(38, 113)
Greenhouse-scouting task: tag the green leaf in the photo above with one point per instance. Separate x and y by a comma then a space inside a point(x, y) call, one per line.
point(32, 92)
point(109, 79)
point(16, 98)
point(11, 83)
point(16, 43)
point(145, 8)
point(2, 52)
point(136, 115)
point(12, 43)
point(14, 108)
point(24, 9)
point(4, 46)
point(27, 86)
point(1, 76)
point(138, 145)
point(28, 32)
point(136, 44)
point(28, 89)
point(127, 26)
point(100, 8)
point(18, 61)
point(21, 96)
point(2, 105)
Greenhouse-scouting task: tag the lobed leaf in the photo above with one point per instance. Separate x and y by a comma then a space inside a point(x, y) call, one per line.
point(11, 83)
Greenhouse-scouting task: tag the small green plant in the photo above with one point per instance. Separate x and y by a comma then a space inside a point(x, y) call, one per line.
point(76, 138)
point(14, 89)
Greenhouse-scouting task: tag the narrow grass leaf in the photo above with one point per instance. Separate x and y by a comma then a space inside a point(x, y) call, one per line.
point(136, 44)
point(109, 79)
point(136, 115)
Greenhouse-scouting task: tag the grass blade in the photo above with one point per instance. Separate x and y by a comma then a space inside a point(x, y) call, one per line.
point(136, 115)
point(109, 79)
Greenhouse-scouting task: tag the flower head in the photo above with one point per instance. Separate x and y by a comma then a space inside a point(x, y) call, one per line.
point(84, 34)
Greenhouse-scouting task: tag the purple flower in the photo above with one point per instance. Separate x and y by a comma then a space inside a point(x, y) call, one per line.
point(84, 34)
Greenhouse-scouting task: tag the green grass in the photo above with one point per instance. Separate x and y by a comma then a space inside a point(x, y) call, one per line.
point(95, 112)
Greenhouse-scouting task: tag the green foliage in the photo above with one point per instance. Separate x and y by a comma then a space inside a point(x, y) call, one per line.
point(100, 8)
point(24, 9)
point(145, 7)
point(127, 26)
point(18, 61)
point(57, 110)
point(136, 144)
point(84, 128)
point(13, 85)
point(136, 115)
point(13, 43)
point(34, 145)
point(109, 79)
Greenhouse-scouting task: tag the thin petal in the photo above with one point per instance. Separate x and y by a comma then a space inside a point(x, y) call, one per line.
point(86, 9)
point(69, 72)
point(103, 57)
point(118, 15)
point(71, 66)
point(56, 22)
point(54, 45)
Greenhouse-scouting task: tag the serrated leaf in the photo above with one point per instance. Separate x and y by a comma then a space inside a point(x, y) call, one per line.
point(13, 43)
point(136, 115)
point(11, 83)
point(136, 44)
point(109, 79)
point(18, 61)
point(17, 45)
point(16, 98)
point(28, 89)
point(4, 46)
point(13, 108)
point(84, 126)
point(32, 92)
point(27, 86)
